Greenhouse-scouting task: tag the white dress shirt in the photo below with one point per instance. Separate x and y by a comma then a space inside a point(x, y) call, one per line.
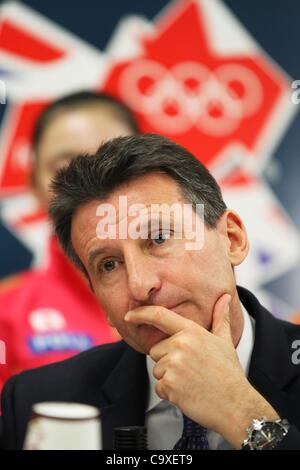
point(164, 421)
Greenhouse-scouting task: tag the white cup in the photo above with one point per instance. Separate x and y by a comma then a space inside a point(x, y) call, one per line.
point(63, 426)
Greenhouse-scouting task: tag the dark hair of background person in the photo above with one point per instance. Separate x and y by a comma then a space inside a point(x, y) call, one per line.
point(77, 100)
point(120, 160)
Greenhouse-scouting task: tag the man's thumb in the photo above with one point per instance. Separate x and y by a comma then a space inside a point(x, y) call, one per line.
point(221, 317)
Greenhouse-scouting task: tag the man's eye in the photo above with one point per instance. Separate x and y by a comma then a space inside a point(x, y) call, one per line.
point(160, 238)
point(108, 266)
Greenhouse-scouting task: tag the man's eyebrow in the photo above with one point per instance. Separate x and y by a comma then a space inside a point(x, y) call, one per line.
point(94, 254)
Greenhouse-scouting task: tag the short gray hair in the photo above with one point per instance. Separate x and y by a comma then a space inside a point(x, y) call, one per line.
point(95, 177)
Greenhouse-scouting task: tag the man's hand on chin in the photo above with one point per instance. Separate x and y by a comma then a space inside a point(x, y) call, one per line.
point(199, 371)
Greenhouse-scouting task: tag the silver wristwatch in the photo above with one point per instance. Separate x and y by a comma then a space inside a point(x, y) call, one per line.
point(265, 435)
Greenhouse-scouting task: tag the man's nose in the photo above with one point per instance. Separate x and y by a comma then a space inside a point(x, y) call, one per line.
point(143, 276)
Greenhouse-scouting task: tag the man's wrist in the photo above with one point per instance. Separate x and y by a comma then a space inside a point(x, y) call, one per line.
point(250, 406)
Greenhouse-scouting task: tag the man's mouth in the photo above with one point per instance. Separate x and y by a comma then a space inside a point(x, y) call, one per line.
point(175, 307)
point(152, 330)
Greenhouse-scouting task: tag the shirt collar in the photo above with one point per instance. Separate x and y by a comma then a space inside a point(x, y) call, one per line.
point(243, 350)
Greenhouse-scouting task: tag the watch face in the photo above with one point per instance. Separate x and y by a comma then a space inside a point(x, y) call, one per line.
point(267, 437)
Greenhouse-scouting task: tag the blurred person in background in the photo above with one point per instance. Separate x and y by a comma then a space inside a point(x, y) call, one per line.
point(50, 314)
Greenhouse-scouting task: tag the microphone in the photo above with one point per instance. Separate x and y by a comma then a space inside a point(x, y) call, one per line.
point(130, 438)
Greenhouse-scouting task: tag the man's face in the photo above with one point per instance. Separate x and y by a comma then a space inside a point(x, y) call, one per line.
point(69, 133)
point(130, 273)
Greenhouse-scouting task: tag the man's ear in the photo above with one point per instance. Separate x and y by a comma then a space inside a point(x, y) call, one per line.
point(35, 189)
point(235, 236)
point(110, 321)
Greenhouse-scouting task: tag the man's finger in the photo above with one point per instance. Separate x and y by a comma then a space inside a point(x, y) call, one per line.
point(161, 349)
point(221, 317)
point(165, 320)
point(160, 369)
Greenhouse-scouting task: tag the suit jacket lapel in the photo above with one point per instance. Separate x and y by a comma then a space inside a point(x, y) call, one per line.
point(124, 395)
point(271, 368)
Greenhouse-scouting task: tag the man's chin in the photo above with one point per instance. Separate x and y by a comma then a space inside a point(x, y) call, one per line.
point(149, 336)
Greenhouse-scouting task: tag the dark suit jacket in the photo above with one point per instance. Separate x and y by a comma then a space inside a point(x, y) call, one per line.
point(114, 379)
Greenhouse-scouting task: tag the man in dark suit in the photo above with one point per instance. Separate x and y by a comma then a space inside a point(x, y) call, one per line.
point(203, 364)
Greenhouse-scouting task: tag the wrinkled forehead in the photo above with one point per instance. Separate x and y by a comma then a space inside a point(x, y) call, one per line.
point(153, 200)
point(147, 189)
point(139, 193)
